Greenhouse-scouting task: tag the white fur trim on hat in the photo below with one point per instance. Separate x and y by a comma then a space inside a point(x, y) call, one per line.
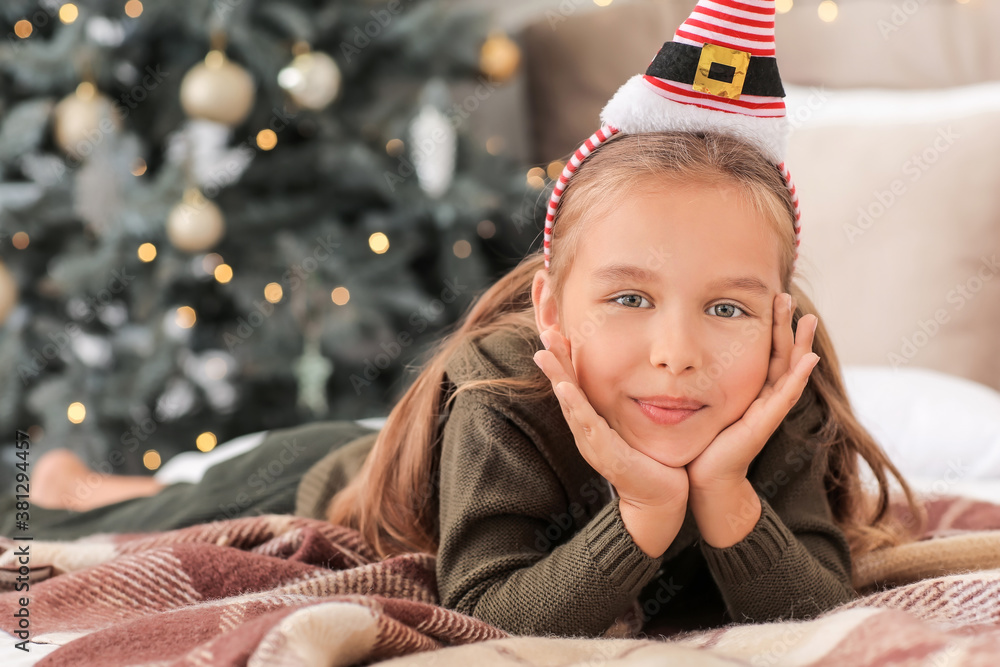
point(635, 108)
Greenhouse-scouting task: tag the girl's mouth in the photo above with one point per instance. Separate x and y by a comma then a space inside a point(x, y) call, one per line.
point(664, 416)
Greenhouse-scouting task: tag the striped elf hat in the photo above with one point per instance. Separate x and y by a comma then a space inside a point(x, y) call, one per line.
point(718, 74)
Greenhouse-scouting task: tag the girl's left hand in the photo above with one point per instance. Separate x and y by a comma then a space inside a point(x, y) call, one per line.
point(724, 463)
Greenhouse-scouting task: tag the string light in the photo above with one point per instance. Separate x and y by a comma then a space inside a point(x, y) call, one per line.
point(151, 459)
point(133, 9)
point(378, 242)
point(20, 240)
point(267, 139)
point(206, 441)
point(827, 11)
point(495, 145)
point(23, 29)
point(273, 292)
point(462, 249)
point(536, 178)
point(68, 13)
point(394, 147)
point(223, 273)
point(186, 317)
point(340, 296)
point(486, 229)
point(147, 252)
point(76, 412)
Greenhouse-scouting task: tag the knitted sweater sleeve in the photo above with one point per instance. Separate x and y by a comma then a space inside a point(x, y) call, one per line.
point(795, 563)
point(502, 509)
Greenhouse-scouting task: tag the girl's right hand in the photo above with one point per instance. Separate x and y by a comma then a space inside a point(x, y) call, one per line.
point(639, 480)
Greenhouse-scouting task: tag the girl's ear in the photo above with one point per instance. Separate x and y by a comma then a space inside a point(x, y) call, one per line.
point(546, 311)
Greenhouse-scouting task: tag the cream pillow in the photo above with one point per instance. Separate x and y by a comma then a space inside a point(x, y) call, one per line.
point(900, 197)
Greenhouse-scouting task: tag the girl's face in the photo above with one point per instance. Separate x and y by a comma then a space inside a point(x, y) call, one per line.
point(669, 295)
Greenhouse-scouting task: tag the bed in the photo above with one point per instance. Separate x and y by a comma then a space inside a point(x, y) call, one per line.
point(317, 597)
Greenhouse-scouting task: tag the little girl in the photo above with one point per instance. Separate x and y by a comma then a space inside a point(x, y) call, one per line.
point(677, 456)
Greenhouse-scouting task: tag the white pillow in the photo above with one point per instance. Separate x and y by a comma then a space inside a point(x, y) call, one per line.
point(942, 431)
point(814, 106)
point(900, 213)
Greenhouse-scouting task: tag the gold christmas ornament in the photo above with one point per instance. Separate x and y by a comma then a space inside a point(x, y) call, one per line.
point(196, 223)
point(499, 57)
point(218, 90)
point(312, 79)
point(82, 120)
point(8, 293)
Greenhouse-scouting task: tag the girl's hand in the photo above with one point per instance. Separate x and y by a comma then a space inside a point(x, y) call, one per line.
point(723, 465)
point(638, 479)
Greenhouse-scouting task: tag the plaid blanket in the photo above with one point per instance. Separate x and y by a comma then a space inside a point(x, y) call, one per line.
point(272, 589)
point(286, 590)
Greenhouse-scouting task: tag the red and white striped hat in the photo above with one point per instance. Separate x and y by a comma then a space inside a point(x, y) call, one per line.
point(718, 74)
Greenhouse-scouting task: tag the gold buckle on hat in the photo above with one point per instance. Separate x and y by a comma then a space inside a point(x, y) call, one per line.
point(728, 58)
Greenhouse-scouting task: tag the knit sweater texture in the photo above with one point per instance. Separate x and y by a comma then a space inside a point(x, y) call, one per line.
point(532, 539)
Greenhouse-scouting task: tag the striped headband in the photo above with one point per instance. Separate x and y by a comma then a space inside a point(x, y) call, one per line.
point(718, 74)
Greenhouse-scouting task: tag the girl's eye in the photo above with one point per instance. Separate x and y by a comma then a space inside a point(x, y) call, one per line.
point(618, 299)
point(728, 305)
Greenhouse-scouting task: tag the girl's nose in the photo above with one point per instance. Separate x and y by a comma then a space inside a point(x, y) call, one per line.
point(675, 344)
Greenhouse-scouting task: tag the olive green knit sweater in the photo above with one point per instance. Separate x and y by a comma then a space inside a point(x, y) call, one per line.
point(532, 541)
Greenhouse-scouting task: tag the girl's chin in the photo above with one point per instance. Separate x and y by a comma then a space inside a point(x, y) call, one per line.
point(660, 444)
point(673, 462)
point(672, 454)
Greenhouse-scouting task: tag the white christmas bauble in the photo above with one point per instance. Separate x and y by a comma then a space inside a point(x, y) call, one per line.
point(8, 293)
point(82, 120)
point(312, 79)
point(195, 224)
point(219, 90)
point(434, 143)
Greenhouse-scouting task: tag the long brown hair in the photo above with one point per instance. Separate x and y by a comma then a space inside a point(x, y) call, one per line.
point(393, 499)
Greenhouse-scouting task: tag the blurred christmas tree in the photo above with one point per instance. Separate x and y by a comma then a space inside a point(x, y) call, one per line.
point(219, 217)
